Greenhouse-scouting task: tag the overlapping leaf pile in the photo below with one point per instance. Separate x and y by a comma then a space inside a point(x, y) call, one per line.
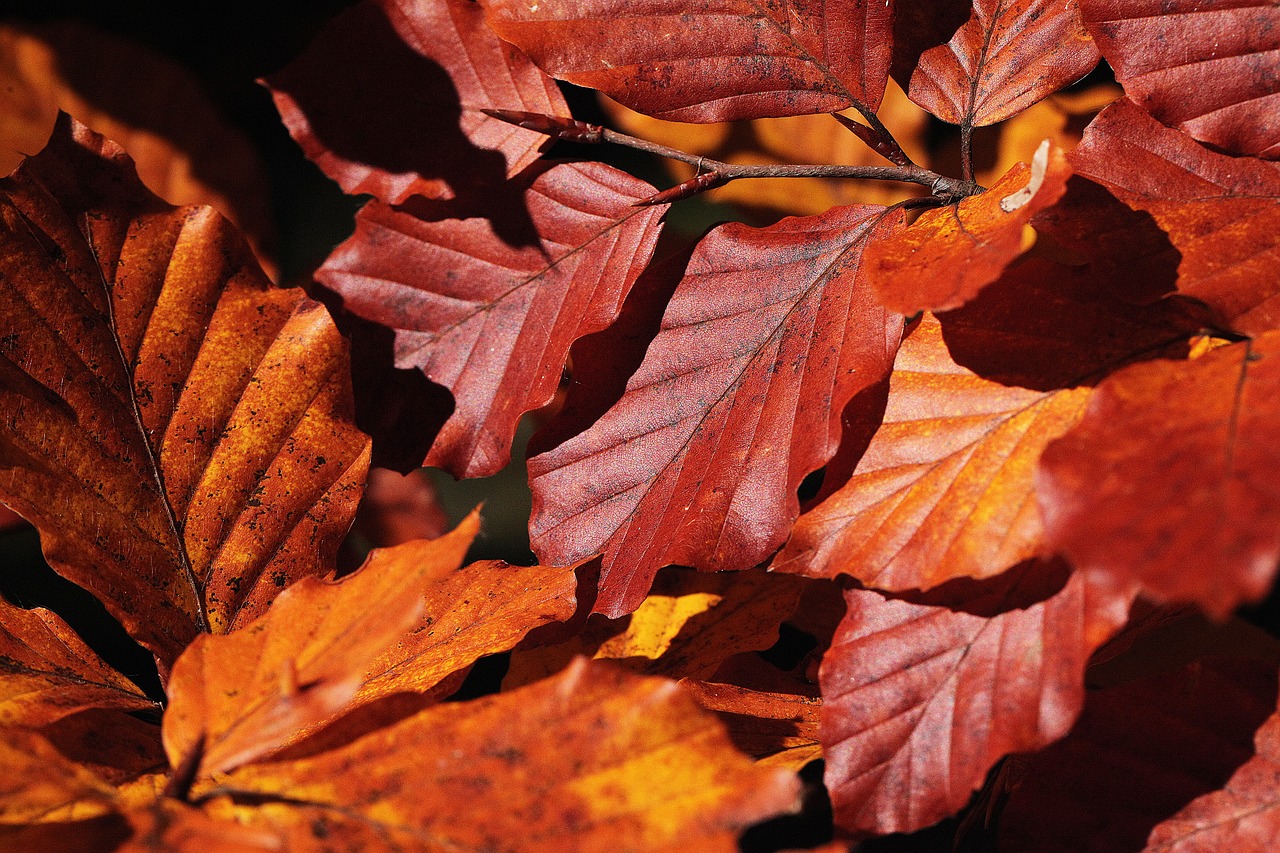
point(1046, 416)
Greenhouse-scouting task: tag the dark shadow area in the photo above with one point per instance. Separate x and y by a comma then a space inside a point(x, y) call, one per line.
point(1026, 584)
point(809, 828)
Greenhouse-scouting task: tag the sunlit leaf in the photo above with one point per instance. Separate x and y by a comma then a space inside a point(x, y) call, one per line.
point(777, 729)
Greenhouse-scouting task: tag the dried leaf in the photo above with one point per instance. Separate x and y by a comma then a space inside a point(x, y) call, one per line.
point(47, 672)
point(633, 765)
point(948, 255)
point(777, 729)
point(920, 701)
point(1205, 68)
point(38, 784)
point(238, 697)
point(399, 508)
point(388, 100)
point(709, 60)
point(768, 335)
point(490, 319)
point(169, 826)
point(179, 432)
point(1221, 213)
point(1167, 479)
point(1004, 58)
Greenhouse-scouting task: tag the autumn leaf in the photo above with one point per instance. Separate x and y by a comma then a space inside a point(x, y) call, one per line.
point(1205, 68)
point(1004, 58)
point(1166, 479)
point(709, 60)
point(398, 508)
point(920, 701)
point(388, 100)
point(948, 255)
point(1221, 213)
point(179, 432)
point(777, 729)
point(770, 332)
point(491, 320)
point(38, 784)
point(1140, 752)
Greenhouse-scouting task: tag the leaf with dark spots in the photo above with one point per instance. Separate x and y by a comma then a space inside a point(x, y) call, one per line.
point(143, 498)
point(710, 60)
point(767, 337)
point(490, 320)
point(388, 100)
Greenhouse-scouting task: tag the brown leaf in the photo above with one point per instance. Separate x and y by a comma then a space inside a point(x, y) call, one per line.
point(709, 60)
point(777, 729)
point(945, 490)
point(948, 255)
point(1167, 479)
point(388, 100)
point(1205, 68)
point(1140, 752)
point(116, 747)
point(768, 335)
point(920, 701)
point(1221, 213)
point(170, 826)
point(490, 319)
point(38, 784)
point(399, 508)
point(236, 698)
point(47, 672)
point(179, 432)
point(593, 760)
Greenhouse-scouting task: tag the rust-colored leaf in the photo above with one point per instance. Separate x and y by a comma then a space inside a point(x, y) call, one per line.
point(768, 335)
point(238, 697)
point(948, 255)
point(946, 488)
point(1140, 752)
point(399, 508)
point(170, 826)
point(921, 701)
point(38, 784)
point(491, 320)
point(1167, 479)
point(388, 100)
point(710, 60)
point(179, 432)
point(47, 672)
point(777, 729)
point(1208, 69)
point(1006, 56)
point(116, 747)
point(1222, 214)
point(631, 764)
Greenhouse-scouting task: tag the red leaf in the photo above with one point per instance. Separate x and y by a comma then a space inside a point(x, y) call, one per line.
point(920, 702)
point(767, 337)
point(1205, 68)
point(490, 320)
point(1221, 213)
point(710, 60)
point(1005, 57)
point(1169, 478)
point(388, 100)
point(1139, 753)
point(948, 255)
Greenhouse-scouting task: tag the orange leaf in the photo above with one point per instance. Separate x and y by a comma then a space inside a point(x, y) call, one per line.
point(778, 729)
point(238, 697)
point(37, 783)
point(1168, 479)
point(179, 432)
point(948, 255)
point(47, 672)
point(592, 760)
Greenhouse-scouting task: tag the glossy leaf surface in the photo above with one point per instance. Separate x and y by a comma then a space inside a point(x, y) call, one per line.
point(492, 317)
point(709, 60)
point(179, 432)
point(1205, 68)
point(768, 335)
point(387, 100)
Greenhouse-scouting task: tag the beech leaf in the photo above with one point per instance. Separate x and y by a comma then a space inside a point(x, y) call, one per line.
point(179, 432)
point(38, 784)
point(47, 672)
point(948, 255)
point(710, 60)
point(1166, 480)
point(768, 335)
point(633, 765)
point(1007, 56)
point(920, 701)
point(493, 321)
point(777, 729)
point(238, 697)
point(1222, 214)
point(1205, 68)
point(388, 100)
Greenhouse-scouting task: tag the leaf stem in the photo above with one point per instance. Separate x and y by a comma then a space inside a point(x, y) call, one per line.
point(966, 150)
